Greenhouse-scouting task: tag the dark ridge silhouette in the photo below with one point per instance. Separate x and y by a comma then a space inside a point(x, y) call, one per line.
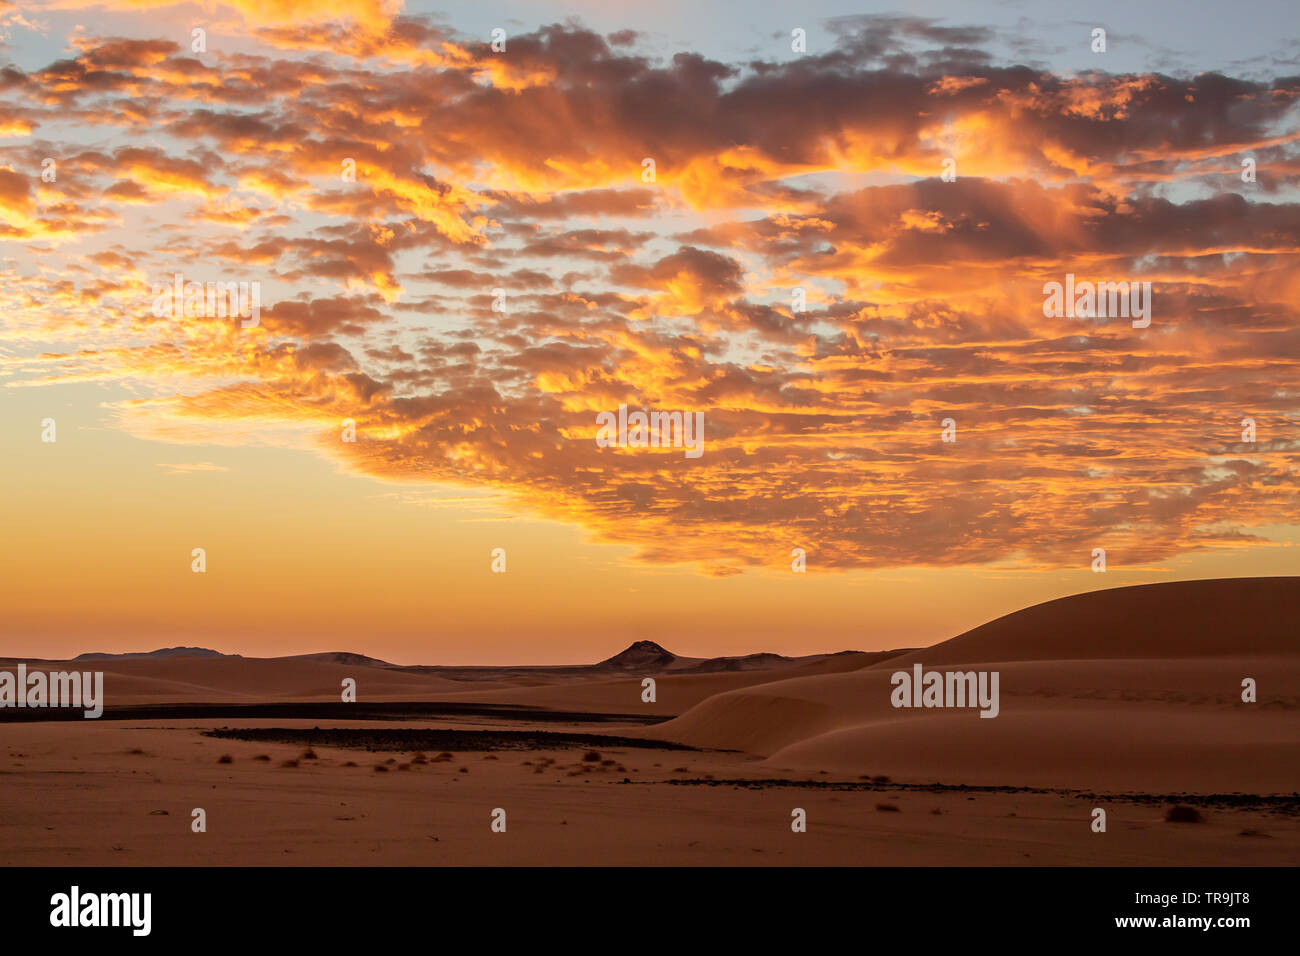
point(340, 657)
point(642, 655)
point(328, 710)
point(162, 652)
point(408, 740)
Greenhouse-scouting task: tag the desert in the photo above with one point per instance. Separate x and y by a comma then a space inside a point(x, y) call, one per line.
point(1127, 700)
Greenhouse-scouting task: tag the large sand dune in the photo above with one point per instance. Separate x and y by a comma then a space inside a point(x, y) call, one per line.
point(1218, 617)
point(1130, 688)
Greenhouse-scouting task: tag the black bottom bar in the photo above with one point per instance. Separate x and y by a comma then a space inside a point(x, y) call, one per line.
point(668, 907)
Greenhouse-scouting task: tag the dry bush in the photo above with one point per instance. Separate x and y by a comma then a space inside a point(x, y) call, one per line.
point(1181, 813)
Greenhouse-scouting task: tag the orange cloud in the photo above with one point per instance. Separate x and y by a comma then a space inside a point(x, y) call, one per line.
point(498, 271)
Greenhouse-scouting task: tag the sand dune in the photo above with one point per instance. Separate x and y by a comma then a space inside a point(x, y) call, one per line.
point(1136, 687)
point(189, 679)
point(1099, 747)
point(1223, 616)
point(675, 693)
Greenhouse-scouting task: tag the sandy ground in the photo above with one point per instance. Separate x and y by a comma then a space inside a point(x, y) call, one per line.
point(83, 796)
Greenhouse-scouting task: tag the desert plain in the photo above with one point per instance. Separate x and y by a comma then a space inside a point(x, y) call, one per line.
point(1128, 700)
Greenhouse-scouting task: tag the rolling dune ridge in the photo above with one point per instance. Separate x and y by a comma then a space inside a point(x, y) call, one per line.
point(1127, 688)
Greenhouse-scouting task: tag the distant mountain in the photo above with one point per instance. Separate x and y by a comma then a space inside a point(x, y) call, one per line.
point(643, 655)
point(341, 657)
point(749, 662)
point(162, 652)
point(648, 657)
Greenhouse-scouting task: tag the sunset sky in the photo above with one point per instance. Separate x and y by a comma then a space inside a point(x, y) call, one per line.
point(522, 170)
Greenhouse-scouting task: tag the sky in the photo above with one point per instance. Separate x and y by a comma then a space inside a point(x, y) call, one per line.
point(469, 254)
